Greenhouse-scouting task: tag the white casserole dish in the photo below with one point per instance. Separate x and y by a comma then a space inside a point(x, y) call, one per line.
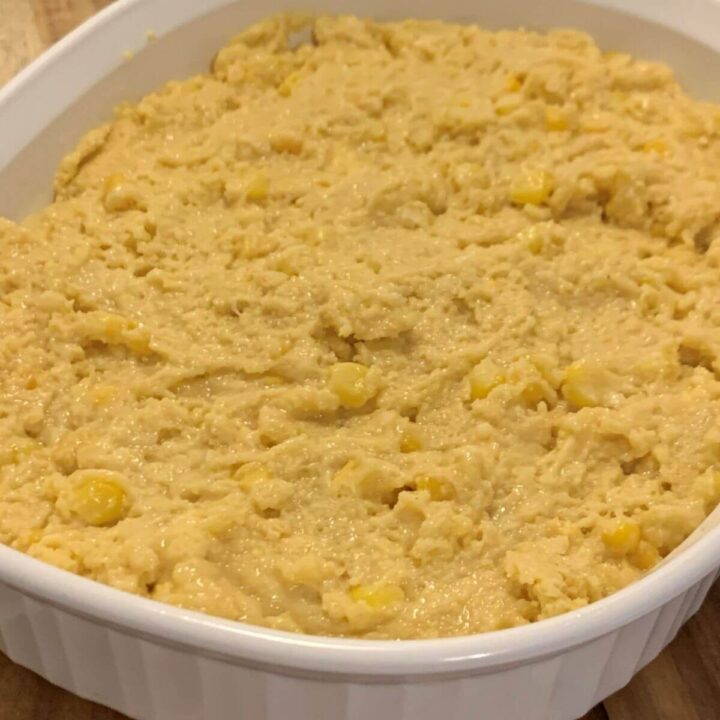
point(153, 661)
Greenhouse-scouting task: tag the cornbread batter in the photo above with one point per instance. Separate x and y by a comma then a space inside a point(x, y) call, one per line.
point(408, 331)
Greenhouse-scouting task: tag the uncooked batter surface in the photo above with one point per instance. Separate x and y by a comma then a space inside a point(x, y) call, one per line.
point(407, 331)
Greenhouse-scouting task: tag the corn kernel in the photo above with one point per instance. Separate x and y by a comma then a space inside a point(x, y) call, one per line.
point(555, 120)
point(657, 147)
point(595, 122)
point(505, 104)
point(98, 500)
point(533, 238)
point(622, 538)
point(374, 130)
point(484, 377)
point(348, 381)
point(113, 182)
point(533, 392)
point(220, 524)
point(286, 266)
point(138, 341)
point(117, 196)
point(284, 143)
point(347, 475)
point(118, 330)
point(273, 380)
point(411, 440)
point(31, 383)
point(256, 188)
point(513, 83)
point(103, 394)
point(33, 536)
point(114, 326)
point(531, 187)
point(252, 474)
point(439, 488)
point(377, 595)
point(288, 84)
point(585, 386)
point(645, 556)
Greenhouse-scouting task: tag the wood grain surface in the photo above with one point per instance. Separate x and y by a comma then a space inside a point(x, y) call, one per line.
point(683, 683)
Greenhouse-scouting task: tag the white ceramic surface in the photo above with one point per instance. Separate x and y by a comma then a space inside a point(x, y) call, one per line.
point(156, 662)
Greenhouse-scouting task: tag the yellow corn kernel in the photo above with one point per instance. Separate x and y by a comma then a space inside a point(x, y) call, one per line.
point(98, 499)
point(347, 475)
point(288, 84)
point(411, 440)
point(374, 130)
point(513, 83)
point(221, 523)
point(113, 182)
point(118, 330)
point(622, 538)
point(533, 392)
point(657, 147)
point(505, 104)
point(470, 174)
point(103, 394)
point(31, 382)
point(555, 120)
point(594, 122)
point(286, 266)
point(273, 380)
point(285, 143)
point(138, 341)
point(585, 386)
point(377, 595)
point(33, 536)
point(115, 326)
point(645, 556)
point(348, 381)
point(117, 196)
point(439, 488)
point(256, 188)
point(484, 377)
point(533, 239)
point(252, 474)
point(531, 187)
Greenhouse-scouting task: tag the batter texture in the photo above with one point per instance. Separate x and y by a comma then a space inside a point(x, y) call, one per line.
point(409, 330)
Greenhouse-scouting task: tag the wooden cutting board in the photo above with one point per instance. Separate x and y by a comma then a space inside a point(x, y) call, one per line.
point(682, 684)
